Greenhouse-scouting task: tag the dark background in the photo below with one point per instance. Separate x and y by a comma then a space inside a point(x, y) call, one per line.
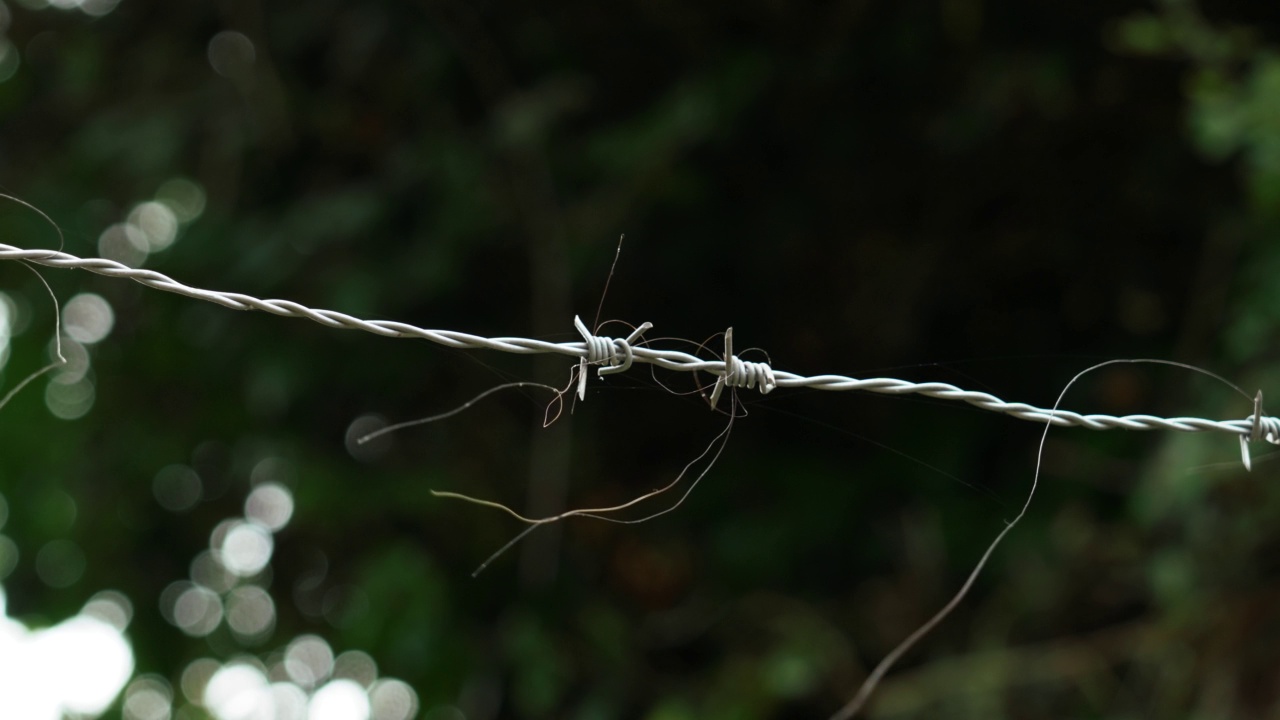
point(992, 194)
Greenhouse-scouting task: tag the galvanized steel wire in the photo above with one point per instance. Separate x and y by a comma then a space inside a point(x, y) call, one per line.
point(616, 355)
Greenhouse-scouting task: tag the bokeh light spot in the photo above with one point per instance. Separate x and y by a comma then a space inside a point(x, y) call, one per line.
point(76, 367)
point(290, 701)
point(185, 198)
point(208, 571)
point(356, 665)
point(158, 223)
point(376, 447)
point(69, 401)
point(8, 312)
point(88, 660)
point(111, 607)
point(231, 54)
point(19, 309)
point(246, 548)
point(76, 668)
point(177, 488)
point(272, 469)
point(308, 660)
point(57, 511)
point(239, 691)
point(98, 8)
point(148, 697)
point(196, 676)
point(125, 243)
point(270, 505)
point(339, 700)
point(60, 563)
point(88, 318)
point(393, 699)
point(9, 59)
point(92, 8)
point(219, 533)
point(194, 609)
point(251, 613)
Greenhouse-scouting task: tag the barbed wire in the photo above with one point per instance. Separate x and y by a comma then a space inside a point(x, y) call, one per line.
point(614, 355)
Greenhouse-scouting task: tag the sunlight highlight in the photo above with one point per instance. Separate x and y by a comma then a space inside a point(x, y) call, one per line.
point(76, 667)
point(306, 684)
point(246, 548)
point(7, 312)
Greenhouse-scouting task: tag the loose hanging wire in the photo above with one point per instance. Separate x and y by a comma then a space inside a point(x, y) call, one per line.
point(617, 355)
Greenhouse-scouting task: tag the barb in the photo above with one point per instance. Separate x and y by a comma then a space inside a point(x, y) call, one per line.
point(728, 370)
point(613, 355)
point(739, 373)
point(1259, 430)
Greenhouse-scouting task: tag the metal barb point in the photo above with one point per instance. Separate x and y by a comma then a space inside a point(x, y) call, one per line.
point(1255, 433)
point(582, 361)
point(616, 352)
point(728, 369)
point(1257, 417)
point(740, 373)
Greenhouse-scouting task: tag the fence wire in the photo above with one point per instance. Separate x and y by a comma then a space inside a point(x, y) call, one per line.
point(613, 355)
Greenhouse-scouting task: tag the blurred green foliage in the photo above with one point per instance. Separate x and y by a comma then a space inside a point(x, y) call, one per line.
point(990, 194)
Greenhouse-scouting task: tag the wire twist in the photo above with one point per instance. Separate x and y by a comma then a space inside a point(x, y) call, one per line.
point(617, 355)
point(612, 355)
point(740, 373)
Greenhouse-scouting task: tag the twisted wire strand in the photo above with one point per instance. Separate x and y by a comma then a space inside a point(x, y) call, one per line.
point(730, 371)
